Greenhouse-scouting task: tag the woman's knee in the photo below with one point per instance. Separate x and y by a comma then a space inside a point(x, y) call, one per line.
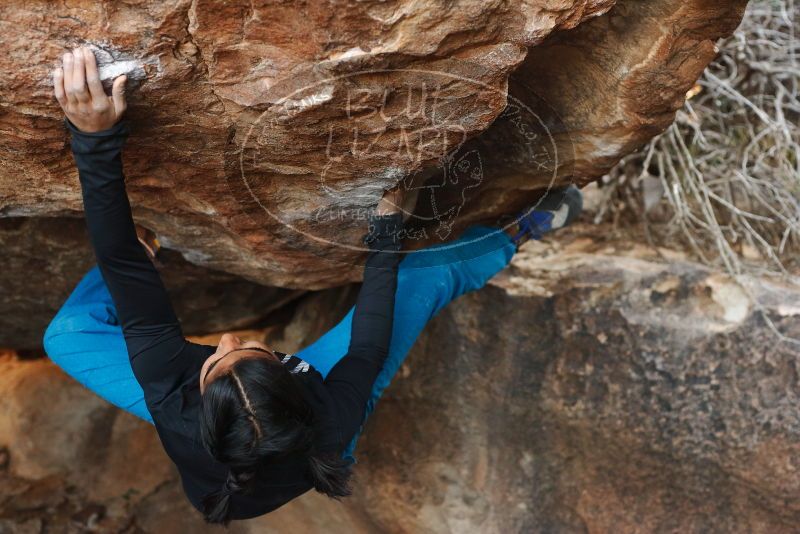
point(52, 341)
point(61, 337)
point(50, 331)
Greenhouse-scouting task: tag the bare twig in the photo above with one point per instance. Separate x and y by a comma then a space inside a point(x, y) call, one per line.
point(729, 166)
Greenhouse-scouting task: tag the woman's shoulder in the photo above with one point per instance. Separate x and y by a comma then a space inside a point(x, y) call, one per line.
point(294, 363)
point(328, 432)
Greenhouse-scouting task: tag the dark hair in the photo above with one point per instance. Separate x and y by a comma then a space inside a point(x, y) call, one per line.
point(254, 412)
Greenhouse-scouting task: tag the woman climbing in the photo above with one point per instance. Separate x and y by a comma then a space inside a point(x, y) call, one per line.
point(249, 428)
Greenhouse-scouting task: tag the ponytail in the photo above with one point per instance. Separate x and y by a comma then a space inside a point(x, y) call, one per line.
point(329, 473)
point(216, 506)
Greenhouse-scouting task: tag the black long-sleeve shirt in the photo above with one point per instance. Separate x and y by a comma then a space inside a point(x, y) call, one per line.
point(168, 366)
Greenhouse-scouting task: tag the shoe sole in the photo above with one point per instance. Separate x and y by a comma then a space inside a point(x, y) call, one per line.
point(555, 199)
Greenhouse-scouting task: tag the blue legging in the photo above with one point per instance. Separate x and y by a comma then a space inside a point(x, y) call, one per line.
point(86, 341)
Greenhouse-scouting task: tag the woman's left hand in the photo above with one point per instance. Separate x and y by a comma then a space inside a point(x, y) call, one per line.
point(392, 201)
point(80, 93)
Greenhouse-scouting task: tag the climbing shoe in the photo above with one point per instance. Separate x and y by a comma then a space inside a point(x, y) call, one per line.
point(558, 208)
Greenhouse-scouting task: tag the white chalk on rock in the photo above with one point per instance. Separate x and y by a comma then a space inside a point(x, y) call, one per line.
point(112, 63)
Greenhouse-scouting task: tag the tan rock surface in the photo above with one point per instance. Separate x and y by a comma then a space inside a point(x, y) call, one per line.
point(599, 91)
point(45, 257)
point(593, 387)
point(263, 132)
point(590, 387)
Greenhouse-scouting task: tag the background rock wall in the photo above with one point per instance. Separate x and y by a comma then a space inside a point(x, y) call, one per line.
point(594, 386)
point(46, 257)
point(262, 132)
point(590, 387)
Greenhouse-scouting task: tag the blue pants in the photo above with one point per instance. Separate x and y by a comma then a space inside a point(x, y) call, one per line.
point(86, 341)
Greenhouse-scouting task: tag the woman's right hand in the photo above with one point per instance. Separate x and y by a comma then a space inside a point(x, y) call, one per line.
point(80, 93)
point(392, 201)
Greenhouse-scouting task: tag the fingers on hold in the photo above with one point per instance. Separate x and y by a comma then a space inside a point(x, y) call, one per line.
point(77, 60)
point(58, 86)
point(118, 88)
point(67, 63)
point(93, 78)
point(79, 76)
point(118, 94)
point(119, 82)
point(89, 61)
point(67, 59)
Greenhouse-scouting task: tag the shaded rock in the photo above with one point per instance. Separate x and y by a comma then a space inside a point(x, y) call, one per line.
point(31, 526)
point(46, 493)
point(89, 515)
point(46, 257)
point(90, 432)
point(263, 134)
point(48, 505)
point(591, 387)
point(43, 261)
point(583, 98)
point(4, 458)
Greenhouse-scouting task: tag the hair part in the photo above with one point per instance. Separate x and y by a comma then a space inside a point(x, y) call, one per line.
point(256, 411)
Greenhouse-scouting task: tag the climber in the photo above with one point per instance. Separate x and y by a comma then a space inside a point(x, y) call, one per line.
point(248, 427)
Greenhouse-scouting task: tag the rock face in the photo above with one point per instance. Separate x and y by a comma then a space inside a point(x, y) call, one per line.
point(590, 387)
point(45, 257)
point(263, 133)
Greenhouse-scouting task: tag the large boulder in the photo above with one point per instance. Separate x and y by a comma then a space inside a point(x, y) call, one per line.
point(45, 257)
point(262, 134)
point(592, 386)
point(595, 387)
